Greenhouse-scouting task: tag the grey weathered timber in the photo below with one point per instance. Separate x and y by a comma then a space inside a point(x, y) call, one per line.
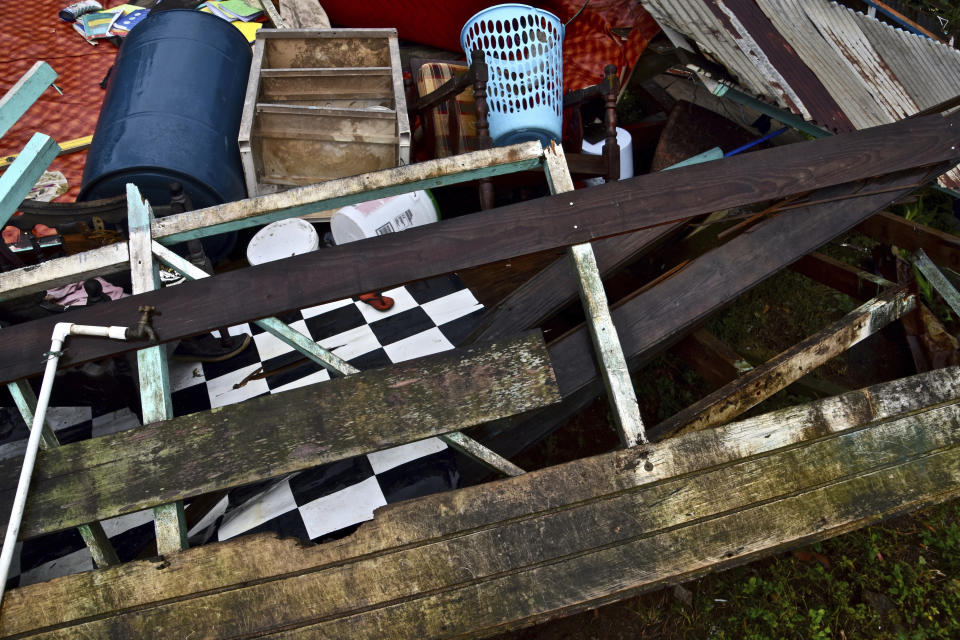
point(937, 279)
point(755, 386)
point(337, 365)
point(101, 550)
point(170, 521)
point(613, 366)
point(288, 204)
point(269, 436)
point(482, 559)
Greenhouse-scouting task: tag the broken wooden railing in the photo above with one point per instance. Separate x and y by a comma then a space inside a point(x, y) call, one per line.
point(840, 172)
point(452, 565)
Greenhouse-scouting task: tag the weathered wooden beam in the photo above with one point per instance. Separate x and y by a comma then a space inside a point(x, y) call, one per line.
point(856, 283)
point(269, 436)
point(943, 248)
point(169, 520)
point(936, 278)
point(653, 320)
point(548, 543)
point(731, 400)
point(711, 358)
point(535, 225)
point(24, 93)
point(606, 343)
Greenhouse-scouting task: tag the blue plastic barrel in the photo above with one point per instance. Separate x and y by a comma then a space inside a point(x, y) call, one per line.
point(172, 112)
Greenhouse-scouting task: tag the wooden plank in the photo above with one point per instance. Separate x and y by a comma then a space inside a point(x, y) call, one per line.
point(323, 72)
point(653, 320)
point(936, 278)
point(226, 447)
point(606, 343)
point(943, 248)
point(60, 271)
point(732, 399)
point(856, 283)
point(23, 173)
point(716, 362)
point(542, 544)
point(561, 220)
point(24, 93)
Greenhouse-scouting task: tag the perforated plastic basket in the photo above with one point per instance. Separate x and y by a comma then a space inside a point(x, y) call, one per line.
point(524, 50)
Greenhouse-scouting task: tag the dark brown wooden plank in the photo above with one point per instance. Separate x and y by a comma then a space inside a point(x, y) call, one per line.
point(653, 320)
point(273, 435)
point(716, 362)
point(556, 285)
point(856, 283)
point(519, 229)
point(475, 561)
point(943, 248)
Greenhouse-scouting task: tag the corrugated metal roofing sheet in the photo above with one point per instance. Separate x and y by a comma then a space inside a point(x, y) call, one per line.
point(874, 72)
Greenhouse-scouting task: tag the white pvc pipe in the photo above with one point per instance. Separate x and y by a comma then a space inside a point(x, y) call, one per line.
point(60, 332)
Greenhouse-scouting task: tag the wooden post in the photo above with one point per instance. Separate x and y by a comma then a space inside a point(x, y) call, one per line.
point(483, 124)
point(606, 344)
point(611, 148)
point(170, 521)
point(104, 555)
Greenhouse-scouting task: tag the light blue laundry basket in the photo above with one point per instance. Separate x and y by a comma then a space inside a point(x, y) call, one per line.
point(524, 51)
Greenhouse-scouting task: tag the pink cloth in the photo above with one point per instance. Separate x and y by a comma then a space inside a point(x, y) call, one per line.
point(73, 295)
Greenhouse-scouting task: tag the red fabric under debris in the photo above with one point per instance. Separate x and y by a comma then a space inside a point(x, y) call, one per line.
point(33, 33)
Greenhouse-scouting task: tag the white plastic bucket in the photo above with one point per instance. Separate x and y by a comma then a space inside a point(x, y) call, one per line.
point(524, 54)
point(626, 151)
point(282, 239)
point(383, 216)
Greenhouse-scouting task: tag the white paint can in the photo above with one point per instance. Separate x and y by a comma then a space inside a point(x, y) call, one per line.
point(626, 151)
point(383, 216)
point(282, 239)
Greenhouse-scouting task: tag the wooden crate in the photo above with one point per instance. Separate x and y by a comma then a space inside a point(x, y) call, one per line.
point(322, 104)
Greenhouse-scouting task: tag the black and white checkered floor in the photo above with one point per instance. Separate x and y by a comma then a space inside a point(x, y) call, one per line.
point(427, 317)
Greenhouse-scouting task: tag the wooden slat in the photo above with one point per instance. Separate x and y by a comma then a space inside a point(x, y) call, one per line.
point(943, 248)
point(269, 436)
point(856, 283)
point(543, 544)
point(561, 220)
point(651, 321)
point(324, 72)
point(737, 396)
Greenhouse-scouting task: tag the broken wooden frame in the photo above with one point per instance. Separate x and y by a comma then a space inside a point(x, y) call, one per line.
point(450, 565)
point(590, 206)
point(519, 229)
